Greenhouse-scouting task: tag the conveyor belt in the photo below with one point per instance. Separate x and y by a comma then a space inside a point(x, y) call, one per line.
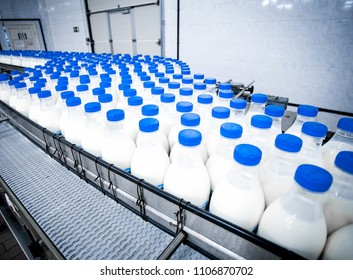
point(79, 220)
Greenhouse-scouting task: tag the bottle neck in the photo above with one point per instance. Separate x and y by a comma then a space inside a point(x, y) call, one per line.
point(238, 112)
point(310, 142)
point(257, 107)
point(340, 133)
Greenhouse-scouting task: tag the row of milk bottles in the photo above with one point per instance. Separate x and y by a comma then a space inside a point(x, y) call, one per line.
point(207, 152)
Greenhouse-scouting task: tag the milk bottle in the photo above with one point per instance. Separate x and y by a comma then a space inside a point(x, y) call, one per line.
point(204, 107)
point(106, 101)
point(276, 113)
point(239, 198)
point(173, 87)
point(219, 115)
point(34, 108)
point(76, 121)
point(276, 175)
point(338, 207)
point(118, 146)
point(339, 245)
point(49, 116)
point(198, 78)
point(163, 82)
point(305, 113)
point(257, 106)
point(199, 88)
point(224, 97)
point(83, 92)
point(150, 161)
point(313, 134)
point(237, 114)
point(187, 82)
point(64, 116)
point(96, 92)
point(187, 176)
point(342, 140)
point(151, 110)
point(221, 161)
point(296, 220)
point(94, 130)
point(23, 99)
point(13, 93)
point(210, 85)
point(156, 95)
point(188, 121)
point(185, 94)
point(133, 115)
point(181, 108)
point(167, 112)
point(261, 136)
point(4, 88)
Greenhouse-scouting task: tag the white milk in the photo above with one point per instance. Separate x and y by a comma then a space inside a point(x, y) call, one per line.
point(23, 99)
point(237, 115)
point(76, 121)
point(4, 88)
point(167, 112)
point(338, 207)
point(118, 147)
point(305, 113)
point(220, 163)
point(187, 176)
point(34, 108)
point(239, 197)
point(339, 245)
point(261, 135)
point(296, 220)
point(257, 106)
point(64, 116)
point(276, 175)
point(220, 115)
point(49, 116)
point(150, 161)
point(342, 140)
point(94, 130)
point(133, 115)
point(313, 134)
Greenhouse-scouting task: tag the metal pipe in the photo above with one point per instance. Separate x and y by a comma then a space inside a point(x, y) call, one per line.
point(173, 246)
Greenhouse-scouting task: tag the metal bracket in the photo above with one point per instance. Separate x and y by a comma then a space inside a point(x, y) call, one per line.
point(180, 215)
point(141, 200)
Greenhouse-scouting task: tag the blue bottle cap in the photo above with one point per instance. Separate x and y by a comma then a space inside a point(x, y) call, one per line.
point(167, 98)
point(44, 94)
point(189, 137)
point(148, 124)
point(92, 107)
point(105, 84)
point(173, 85)
point(185, 91)
point(157, 90)
point(61, 87)
point(135, 101)
point(82, 88)
point(190, 119)
point(247, 154)
point(148, 84)
point(210, 81)
point(261, 121)
point(98, 91)
point(220, 112)
point(226, 93)
point(185, 71)
point(345, 124)
point(187, 81)
point(20, 85)
point(177, 76)
point(313, 178)
point(184, 106)
point(205, 98)
point(105, 98)
point(237, 103)
point(67, 94)
point(314, 129)
point(159, 75)
point(33, 90)
point(259, 98)
point(150, 110)
point(231, 130)
point(164, 80)
point(274, 111)
point(199, 86)
point(124, 86)
point(169, 71)
point(4, 77)
point(307, 111)
point(129, 92)
point(199, 76)
point(145, 78)
point(288, 143)
point(224, 86)
point(115, 115)
point(344, 161)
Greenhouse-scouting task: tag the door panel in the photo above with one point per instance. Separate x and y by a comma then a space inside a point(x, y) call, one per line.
point(100, 32)
point(120, 26)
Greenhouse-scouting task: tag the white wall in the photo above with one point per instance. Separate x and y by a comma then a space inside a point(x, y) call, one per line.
point(301, 49)
point(58, 19)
